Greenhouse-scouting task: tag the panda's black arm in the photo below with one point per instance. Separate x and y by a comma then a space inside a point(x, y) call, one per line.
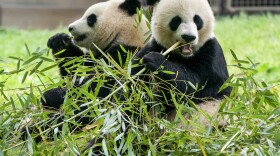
point(136, 60)
point(71, 52)
point(63, 48)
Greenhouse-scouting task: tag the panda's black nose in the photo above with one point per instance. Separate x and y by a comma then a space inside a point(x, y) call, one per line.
point(70, 29)
point(188, 38)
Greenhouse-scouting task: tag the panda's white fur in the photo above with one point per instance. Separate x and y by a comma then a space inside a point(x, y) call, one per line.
point(112, 25)
point(211, 108)
point(186, 9)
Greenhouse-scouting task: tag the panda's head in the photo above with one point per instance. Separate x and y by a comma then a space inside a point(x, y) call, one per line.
point(108, 23)
point(191, 22)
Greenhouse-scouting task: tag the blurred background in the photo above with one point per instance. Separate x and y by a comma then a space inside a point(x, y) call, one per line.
point(53, 13)
point(41, 13)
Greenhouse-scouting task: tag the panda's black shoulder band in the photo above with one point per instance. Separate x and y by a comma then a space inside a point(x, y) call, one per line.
point(130, 6)
point(149, 2)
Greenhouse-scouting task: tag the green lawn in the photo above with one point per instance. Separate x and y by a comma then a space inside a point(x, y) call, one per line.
point(13, 43)
point(253, 108)
point(256, 37)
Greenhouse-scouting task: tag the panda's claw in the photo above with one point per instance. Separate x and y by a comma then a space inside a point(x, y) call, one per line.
point(59, 42)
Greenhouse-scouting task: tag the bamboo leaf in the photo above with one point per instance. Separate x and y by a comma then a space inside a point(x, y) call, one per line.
point(2, 71)
point(36, 67)
point(119, 137)
point(201, 146)
point(152, 148)
point(27, 49)
point(106, 153)
point(48, 68)
point(24, 77)
point(18, 65)
point(15, 71)
point(13, 103)
point(46, 59)
point(15, 58)
point(168, 72)
point(231, 139)
point(31, 59)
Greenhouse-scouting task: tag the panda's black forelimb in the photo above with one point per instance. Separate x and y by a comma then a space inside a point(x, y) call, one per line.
point(130, 6)
point(63, 47)
point(62, 41)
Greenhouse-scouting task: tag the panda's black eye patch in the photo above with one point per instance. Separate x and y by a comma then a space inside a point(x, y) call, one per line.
point(198, 22)
point(91, 20)
point(175, 22)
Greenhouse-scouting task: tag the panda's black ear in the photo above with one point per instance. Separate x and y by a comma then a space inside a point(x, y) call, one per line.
point(149, 2)
point(129, 6)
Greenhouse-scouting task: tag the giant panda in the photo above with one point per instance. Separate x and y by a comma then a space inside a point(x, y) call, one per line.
point(107, 25)
point(199, 60)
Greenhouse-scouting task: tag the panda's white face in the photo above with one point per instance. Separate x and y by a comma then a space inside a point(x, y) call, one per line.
point(191, 22)
point(105, 24)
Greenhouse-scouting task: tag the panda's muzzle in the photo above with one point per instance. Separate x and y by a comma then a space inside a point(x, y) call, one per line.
point(80, 38)
point(77, 36)
point(188, 38)
point(186, 49)
point(187, 46)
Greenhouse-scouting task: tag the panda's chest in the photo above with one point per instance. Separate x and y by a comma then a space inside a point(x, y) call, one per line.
point(177, 60)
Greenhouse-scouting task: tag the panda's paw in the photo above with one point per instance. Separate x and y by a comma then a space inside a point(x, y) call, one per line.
point(153, 60)
point(59, 42)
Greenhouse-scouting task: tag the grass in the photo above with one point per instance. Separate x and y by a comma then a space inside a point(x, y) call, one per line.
point(255, 37)
point(13, 44)
point(253, 108)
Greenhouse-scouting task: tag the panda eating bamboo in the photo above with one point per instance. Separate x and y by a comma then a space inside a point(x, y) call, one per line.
point(198, 60)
